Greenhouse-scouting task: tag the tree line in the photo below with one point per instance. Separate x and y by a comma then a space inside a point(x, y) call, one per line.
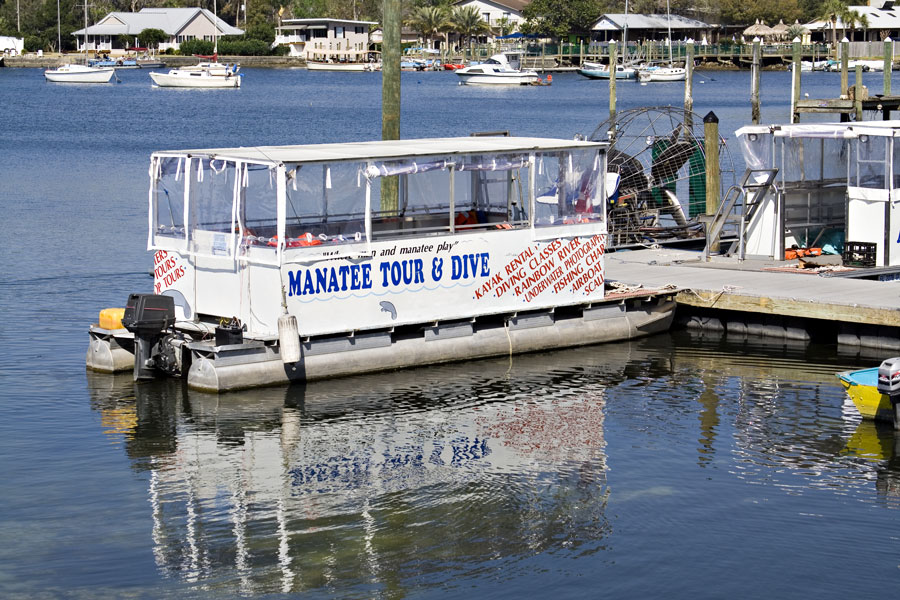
point(36, 20)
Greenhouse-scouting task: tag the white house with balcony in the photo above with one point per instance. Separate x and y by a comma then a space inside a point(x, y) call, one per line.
point(497, 12)
point(325, 39)
point(181, 24)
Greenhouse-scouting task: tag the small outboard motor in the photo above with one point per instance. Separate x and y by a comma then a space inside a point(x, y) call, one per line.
point(149, 317)
point(889, 384)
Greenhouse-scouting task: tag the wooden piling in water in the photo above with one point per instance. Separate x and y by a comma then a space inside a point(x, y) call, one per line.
point(754, 83)
point(888, 65)
point(390, 95)
point(711, 148)
point(857, 92)
point(795, 80)
point(689, 87)
point(845, 58)
point(612, 79)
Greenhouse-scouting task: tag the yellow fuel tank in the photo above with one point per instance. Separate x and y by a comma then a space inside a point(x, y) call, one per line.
point(111, 318)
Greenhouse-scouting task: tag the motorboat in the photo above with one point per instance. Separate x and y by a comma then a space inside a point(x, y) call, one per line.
point(150, 63)
point(116, 63)
point(875, 392)
point(866, 65)
point(357, 67)
point(496, 71)
point(656, 73)
point(201, 75)
point(75, 73)
point(593, 70)
point(299, 264)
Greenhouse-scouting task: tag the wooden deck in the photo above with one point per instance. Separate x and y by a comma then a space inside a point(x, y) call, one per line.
point(753, 286)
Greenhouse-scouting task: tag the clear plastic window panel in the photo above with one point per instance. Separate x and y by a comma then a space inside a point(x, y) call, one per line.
point(872, 162)
point(814, 162)
point(168, 203)
point(491, 191)
point(326, 203)
point(568, 188)
point(211, 214)
point(258, 214)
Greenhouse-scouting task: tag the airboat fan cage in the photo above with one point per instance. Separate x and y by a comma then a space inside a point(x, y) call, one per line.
point(660, 158)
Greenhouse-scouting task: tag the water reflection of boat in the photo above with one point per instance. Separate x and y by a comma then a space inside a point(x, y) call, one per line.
point(862, 387)
point(342, 477)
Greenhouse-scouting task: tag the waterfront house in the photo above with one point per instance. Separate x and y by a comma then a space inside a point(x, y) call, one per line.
point(181, 24)
point(498, 14)
point(611, 26)
point(882, 19)
point(325, 39)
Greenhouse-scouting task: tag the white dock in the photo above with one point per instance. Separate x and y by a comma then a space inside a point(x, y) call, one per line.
point(866, 310)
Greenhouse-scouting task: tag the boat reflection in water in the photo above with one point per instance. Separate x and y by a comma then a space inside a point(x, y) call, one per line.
point(371, 479)
point(414, 480)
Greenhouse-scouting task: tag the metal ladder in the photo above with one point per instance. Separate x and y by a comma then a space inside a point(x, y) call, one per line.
point(752, 189)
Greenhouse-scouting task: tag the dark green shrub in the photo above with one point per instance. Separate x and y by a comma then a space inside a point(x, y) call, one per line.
point(190, 47)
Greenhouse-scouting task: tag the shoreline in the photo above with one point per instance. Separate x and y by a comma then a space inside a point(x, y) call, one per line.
point(293, 62)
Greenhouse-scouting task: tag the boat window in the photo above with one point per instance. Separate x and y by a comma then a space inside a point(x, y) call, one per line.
point(487, 192)
point(168, 203)
point(210, 214)
point(258, 214)
point(872, 161)
point(568, 188)
point(325, 203)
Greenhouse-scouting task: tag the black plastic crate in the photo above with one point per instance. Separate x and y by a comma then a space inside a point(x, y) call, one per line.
point(859, 254)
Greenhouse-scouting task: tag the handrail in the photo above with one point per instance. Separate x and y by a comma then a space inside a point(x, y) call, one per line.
point(759, 188)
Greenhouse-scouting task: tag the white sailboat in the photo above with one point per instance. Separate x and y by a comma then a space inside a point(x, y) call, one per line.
point(204, 74)
point(75, 73)
point(593, 70)
point(669, 73)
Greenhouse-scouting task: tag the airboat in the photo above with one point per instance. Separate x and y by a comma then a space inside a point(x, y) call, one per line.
point(659, 157)
point(287, 263)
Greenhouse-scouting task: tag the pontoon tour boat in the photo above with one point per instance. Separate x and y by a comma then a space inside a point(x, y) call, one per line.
point(274, 264)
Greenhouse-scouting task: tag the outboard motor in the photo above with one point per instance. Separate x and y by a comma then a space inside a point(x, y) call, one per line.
point(149, 317)
point(889, 384)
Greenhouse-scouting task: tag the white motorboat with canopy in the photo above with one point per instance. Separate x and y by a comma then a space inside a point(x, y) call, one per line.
point(496, 71)
point(388, 254)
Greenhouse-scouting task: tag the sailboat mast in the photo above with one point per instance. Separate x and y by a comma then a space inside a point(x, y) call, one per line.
point(625, 36)
point(669, 23)
point(215, 30)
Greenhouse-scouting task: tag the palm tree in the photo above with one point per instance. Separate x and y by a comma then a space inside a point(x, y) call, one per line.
point(831, 11)
point(429, 21)
point(468, 23)
point(853, 19)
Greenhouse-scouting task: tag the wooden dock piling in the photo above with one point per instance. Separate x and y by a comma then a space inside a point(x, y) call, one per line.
point(612, 79)
point(857, 92)
point(390, 95)
point(795, 80)
point(711, 149)
point(845, 59)
point(754, 82)
point(888, 65)
point(689, 86)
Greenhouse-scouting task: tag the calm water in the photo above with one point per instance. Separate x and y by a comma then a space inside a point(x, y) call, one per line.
point(676, 466)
